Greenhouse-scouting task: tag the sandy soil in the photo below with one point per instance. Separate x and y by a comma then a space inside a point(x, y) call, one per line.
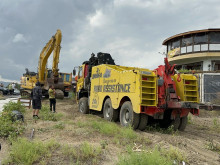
point(193, 142)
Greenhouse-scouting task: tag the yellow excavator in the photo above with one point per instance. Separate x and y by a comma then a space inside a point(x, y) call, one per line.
point(46, 76)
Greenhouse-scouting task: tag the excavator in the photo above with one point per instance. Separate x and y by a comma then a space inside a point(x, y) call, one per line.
point(46, 76)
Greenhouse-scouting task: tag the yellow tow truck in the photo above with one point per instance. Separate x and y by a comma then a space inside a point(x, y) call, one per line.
point(136, 96)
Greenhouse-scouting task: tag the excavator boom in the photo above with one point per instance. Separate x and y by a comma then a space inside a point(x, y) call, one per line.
point(56, 53)
point(52, 45)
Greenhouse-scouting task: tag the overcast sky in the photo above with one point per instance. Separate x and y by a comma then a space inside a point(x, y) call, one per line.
point(132, 31)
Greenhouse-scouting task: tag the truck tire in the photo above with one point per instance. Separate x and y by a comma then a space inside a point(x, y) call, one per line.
point(127, 116)
point(83, 105)
point(183, 123)
point(109, 113)
point(143, 122)
point(175, 123)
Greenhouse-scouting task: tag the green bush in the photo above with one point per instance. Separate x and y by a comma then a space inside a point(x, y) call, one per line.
point(175, 154)
point(26, 152)
point(46, 114)
point(11, 106)
point(144, 158)
point(7, 126)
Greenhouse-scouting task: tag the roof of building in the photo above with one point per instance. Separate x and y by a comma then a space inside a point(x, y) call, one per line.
point(190, 32)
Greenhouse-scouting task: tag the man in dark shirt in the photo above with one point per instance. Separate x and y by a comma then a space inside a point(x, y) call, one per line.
point(36, 102)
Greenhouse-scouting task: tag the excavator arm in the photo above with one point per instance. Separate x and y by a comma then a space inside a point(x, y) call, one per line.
point(52, 45)
point(56, 53)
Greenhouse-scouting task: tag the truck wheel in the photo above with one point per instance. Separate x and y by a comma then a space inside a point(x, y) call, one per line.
point(175, 123)
point(109, 113)
point(183, 123)
point(143, 122)
point(83, 105)
point(128, 116)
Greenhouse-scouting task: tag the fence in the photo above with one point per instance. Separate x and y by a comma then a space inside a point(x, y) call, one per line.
point(25, 101)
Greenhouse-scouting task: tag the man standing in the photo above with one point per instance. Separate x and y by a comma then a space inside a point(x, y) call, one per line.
point(36, 102)
point(10, 89)
point(13, 87)
point(52, 98)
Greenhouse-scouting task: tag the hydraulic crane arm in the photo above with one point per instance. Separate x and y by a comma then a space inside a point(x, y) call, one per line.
point(53, 44)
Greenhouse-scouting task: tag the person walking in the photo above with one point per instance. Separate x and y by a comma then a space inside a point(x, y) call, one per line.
point(36, 100)
point(52, 98)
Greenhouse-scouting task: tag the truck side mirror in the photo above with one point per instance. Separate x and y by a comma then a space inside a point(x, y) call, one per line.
point(74, 72)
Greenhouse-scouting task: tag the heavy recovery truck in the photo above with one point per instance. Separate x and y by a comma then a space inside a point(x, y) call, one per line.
point(136, 96)
point(44, 75)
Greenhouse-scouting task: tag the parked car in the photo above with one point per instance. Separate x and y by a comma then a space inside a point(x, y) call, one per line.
point(4, 91)
point(16, 92)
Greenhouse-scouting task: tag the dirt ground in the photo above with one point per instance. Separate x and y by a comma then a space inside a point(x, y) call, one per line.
point(201, 135)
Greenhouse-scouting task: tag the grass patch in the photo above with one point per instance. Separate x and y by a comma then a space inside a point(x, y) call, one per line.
point(140, 158)
point(216, 124)
point(26, 152)
point(83, 153)
point(113, 129)
point(156, 128)
point(156, 156)
point(212, 146)
point(120, 135)
point(175, 154)
point(47, 115)
point(60, 125)
point(8, 126)
point(72, 95)
point(189, 119)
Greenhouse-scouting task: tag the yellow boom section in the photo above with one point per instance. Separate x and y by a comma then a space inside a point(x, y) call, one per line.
point(54, 42)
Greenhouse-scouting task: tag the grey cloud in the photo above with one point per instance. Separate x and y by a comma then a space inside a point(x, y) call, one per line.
point(131, 30)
